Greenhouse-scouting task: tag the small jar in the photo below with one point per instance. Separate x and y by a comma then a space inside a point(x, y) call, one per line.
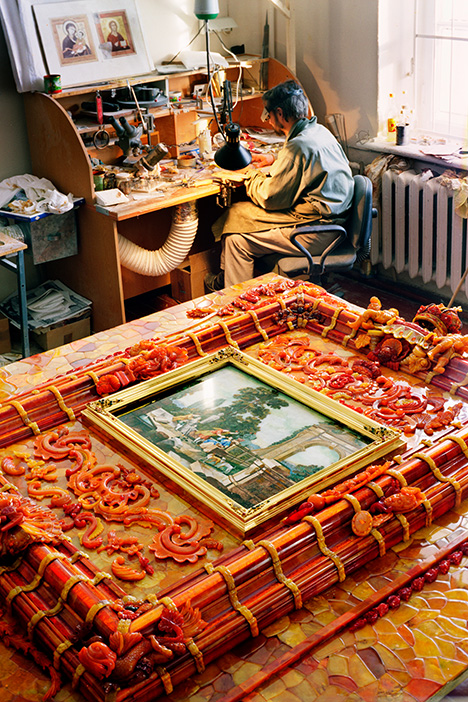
point(401, 134)
point(98, 178)
point(110, 181)
point(124, 182)
point(204, 142)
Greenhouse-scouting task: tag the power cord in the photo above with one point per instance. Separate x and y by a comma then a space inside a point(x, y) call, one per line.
point(240, 67)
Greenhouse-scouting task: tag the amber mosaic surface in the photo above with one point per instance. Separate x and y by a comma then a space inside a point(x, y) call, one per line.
point(415, 652)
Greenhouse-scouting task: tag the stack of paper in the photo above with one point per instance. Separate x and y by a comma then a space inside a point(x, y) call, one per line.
point(49, 305)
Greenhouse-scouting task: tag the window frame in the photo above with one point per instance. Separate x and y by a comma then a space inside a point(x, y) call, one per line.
point(406, 41)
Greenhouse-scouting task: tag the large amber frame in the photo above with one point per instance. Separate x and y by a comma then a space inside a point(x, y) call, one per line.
point(104, 416)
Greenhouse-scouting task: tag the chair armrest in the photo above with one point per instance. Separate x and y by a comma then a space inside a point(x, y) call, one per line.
point(334, 245)
point(317, 228)
point(340, 238)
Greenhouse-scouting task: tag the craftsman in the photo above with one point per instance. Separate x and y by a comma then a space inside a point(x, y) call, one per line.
point(310, 180)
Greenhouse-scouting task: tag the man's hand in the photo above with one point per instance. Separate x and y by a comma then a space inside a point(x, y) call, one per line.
point(235, 180)
point(262, 160)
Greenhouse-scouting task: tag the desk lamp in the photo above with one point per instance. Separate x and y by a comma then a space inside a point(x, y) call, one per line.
point(232, 155)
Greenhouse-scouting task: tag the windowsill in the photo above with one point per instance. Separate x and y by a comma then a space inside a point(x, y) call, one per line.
point(413, 150)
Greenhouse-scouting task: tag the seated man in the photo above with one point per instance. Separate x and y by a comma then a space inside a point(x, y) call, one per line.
point(310, 180)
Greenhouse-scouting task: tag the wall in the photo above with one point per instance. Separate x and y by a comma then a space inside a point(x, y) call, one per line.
point(396, 48)
point(13, 147)
point(337, 61)
point(337, 54)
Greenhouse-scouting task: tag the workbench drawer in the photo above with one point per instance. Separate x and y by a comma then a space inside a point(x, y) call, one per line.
point(52, 237)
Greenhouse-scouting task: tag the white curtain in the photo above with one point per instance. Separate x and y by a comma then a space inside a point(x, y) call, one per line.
point(23, 45)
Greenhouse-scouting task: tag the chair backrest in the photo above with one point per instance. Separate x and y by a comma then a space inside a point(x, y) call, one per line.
point(359, 224)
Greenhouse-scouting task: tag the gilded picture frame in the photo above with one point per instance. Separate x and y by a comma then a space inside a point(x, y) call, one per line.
point(240, 439)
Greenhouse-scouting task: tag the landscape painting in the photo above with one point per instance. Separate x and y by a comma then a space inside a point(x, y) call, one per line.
point(245, 438)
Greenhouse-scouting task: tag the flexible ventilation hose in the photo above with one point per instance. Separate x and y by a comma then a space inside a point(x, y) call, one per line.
point(171, 254)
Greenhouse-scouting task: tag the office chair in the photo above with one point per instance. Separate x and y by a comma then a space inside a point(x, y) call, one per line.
point(352, 243)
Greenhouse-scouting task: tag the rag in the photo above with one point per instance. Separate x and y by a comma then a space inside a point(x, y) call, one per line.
point(40, 191)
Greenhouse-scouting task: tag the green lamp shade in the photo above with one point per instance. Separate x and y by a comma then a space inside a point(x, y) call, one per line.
point(206, 9)
point(232, 156)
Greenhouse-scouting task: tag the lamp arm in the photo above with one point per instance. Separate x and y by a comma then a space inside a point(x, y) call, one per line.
point(210, 87)
point(226, 107)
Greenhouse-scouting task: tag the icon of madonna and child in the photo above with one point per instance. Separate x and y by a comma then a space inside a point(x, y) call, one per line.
point(74, 44)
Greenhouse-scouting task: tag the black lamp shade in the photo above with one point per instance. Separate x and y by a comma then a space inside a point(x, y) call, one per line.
point(232, 156)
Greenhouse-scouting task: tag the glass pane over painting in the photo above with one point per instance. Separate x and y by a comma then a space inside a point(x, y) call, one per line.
point(244, 437)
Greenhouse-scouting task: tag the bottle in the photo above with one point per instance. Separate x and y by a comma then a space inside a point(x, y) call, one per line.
point(402, 128)
point(403, 124)
point(391, 119)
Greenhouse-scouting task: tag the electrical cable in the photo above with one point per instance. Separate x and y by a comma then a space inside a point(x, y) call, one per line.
point(240, 67)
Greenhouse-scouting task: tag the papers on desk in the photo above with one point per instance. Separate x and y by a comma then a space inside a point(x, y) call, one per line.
point(17, 215)
point(194, 60)
point(170, 68)
point(28, 194)
point(441, 150)
point(233, 176)
point(110, 197)
point(264, 136)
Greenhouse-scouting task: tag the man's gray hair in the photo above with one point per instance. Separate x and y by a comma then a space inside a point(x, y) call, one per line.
point(290, 97)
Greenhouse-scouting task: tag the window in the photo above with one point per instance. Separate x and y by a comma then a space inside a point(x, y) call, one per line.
point(440, 65)
point(423, 57)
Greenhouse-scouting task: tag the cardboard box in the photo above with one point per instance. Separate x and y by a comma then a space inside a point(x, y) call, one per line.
point(64, 334)
point(5, 342)
point(187, 280)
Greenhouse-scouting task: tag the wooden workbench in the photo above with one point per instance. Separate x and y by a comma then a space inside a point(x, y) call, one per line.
point(59, 153)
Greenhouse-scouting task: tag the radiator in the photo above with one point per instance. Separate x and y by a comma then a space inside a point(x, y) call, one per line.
point(420, 231)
